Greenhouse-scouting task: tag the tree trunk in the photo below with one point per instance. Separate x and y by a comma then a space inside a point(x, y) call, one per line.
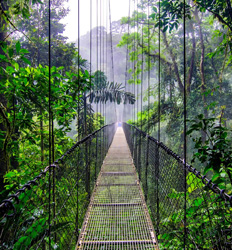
point(176, 70)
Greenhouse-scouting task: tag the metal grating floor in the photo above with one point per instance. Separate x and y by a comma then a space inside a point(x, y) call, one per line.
point(117, 217)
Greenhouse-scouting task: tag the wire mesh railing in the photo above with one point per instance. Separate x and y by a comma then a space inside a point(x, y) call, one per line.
point(48, 212)
point(187, 214)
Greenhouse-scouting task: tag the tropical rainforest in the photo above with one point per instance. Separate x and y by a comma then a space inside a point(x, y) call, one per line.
point(163, 52)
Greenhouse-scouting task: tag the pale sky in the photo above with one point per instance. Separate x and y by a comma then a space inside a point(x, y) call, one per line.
point(119, 8)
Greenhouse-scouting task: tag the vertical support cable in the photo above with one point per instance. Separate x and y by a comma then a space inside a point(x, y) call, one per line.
point(134, 73)
point(90, 129)
point(146, 147)
point(50, 122)
point(97, 156)
point(137, 49)
point(159, 78)
point(185, 133)
point(149, 70)
point(101, 148)
point(127, 59)
point(100, 59)
point(112, 55)
point(78, 121)
point(90, 48)
point(111, 42)
point(142, 68)
point(137, 123)
point(103, 61)
point(133, 87)
point(157, 151)
point(148, 100)
point(106, 54)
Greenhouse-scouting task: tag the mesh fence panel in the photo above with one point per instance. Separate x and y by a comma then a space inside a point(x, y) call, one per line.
point(205, 222)
point(48, 212)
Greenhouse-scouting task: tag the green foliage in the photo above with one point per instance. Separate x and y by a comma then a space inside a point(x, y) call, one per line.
point(36, 39)
point(220, 9)
point(214, 152)
point(26, 92)
point(100, 91)
point(207, 218)
point(113, 92)
point(168, 14)
point(23, 7)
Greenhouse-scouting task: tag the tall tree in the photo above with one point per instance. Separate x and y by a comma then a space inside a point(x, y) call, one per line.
point(37, 28)
point(8, 9)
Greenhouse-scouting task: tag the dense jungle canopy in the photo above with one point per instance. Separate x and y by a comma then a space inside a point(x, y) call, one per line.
point(162, 50)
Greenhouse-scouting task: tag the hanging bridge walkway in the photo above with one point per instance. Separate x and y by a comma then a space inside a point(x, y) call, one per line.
point(117, 189)
point(117, 217)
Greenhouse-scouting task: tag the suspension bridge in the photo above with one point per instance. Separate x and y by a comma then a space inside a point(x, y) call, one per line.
point(117, 217)
point(119, 187)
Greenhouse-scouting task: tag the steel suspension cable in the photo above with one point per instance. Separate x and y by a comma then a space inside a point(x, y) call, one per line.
point(134, 70)
point(142, 68)
point(106, 39)
point(100, 59)
point(149, 70)
point(78, 69)
point(158, 132)
point(127, 58)
point(103, 60)
point(50, 118)
point(100, 80)
point(106, 54)
point(185, 129)
point(111, 42)
point(91, 89)
point(97, 79)
point(90, 44)
point(78, 117)
point(137, 64)
point(112, 54)
point(159, 78)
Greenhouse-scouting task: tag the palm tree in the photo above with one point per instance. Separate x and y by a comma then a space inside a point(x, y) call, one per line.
point(101, 91)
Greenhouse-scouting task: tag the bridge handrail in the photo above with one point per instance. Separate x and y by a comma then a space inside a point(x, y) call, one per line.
point(187, 209)
point(207, 182)
point(8, 203)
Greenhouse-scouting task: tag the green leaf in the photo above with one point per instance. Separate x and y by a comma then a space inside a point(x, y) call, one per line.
point(26, 60)
point(154, 9)
point(165, 28)
point(193, 182)
point(18, 47)
point(16, 66)
point(24, 51)
point(3, 57)
point(10, 52)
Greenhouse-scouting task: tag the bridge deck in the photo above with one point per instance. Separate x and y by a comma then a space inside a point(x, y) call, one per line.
point(117, 217)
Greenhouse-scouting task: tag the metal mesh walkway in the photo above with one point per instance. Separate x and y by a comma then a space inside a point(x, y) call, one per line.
point(117, 217)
